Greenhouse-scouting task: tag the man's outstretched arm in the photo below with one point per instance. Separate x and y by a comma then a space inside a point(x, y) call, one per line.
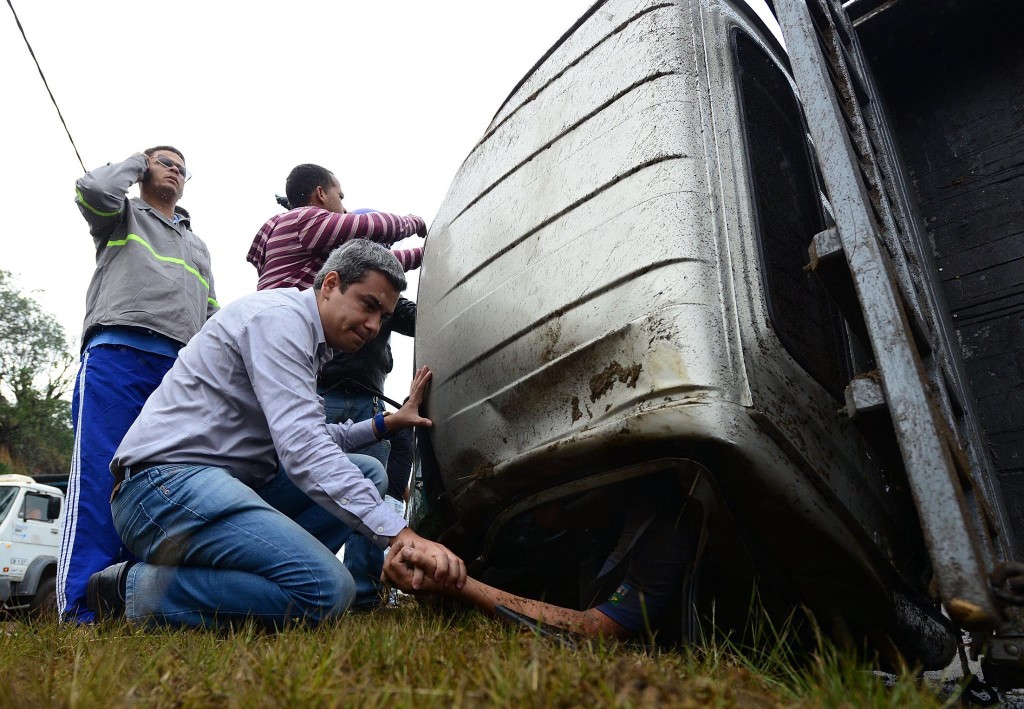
point(411, 570)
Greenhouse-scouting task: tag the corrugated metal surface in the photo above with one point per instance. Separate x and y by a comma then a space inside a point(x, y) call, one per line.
point(591, 298)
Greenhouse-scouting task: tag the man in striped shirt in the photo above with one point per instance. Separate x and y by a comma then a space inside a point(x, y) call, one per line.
point(290, 248)
point(287, 253)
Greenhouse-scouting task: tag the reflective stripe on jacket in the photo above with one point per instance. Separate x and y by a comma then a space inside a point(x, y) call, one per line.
point(150, 273)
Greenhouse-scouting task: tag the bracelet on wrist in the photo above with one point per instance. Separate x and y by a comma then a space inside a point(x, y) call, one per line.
point(379, 427)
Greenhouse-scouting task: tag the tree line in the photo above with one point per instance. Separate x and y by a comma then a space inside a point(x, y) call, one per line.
point(36, 376)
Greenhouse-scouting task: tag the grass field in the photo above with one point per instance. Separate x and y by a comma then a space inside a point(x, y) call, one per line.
point(413, 656)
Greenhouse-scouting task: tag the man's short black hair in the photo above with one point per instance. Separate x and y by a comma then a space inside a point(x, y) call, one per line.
point(152, 151)
point(302, 183)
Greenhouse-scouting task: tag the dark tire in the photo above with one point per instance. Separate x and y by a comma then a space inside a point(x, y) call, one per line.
point(44, 603)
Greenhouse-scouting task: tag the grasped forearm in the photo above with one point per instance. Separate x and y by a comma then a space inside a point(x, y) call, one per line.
point(487, 598)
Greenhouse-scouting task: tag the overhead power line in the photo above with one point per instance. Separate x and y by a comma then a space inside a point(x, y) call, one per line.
point(47, 85)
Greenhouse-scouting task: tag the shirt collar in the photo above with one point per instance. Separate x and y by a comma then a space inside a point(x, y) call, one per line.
point(308, 298)
point(181, 215)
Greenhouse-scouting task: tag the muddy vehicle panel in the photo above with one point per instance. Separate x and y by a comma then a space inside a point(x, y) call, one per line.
point(616, 286)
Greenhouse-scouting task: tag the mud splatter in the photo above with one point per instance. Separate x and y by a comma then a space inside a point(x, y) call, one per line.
point(601, 384)
point(551, 336)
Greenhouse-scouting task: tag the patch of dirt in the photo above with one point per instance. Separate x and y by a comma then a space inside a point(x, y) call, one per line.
point(601, 384)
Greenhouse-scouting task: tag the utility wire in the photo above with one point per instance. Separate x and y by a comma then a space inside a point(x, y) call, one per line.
point(47, 85)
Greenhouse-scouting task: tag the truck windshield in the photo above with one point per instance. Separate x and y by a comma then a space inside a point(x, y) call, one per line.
point(8, 495)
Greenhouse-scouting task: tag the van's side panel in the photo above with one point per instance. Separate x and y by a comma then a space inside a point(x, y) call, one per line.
point(592, 298)
point(578, 254)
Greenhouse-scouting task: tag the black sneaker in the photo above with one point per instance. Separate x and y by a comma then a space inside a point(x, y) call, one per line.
point(104, 594)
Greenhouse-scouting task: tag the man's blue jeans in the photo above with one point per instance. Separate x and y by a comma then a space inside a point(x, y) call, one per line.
point(363, 560)
point(215, 550)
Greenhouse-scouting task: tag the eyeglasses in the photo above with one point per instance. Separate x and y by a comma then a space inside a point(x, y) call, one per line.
point(168, 163)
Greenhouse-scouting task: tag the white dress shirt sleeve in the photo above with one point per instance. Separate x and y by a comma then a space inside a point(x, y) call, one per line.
point(280, 357)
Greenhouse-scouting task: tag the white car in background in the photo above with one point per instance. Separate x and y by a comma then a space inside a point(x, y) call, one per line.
point(30, 516)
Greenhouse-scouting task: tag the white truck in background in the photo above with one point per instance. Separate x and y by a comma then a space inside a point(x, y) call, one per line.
point(30, 517)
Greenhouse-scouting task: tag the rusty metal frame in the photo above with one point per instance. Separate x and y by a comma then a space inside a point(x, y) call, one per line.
point(960, 552)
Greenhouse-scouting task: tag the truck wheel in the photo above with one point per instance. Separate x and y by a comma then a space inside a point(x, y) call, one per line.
point(44, 603)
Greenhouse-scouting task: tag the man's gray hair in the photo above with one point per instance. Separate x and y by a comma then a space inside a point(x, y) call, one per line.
point(352, 260)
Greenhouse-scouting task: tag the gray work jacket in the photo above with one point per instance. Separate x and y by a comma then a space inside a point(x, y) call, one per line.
point(150, 273)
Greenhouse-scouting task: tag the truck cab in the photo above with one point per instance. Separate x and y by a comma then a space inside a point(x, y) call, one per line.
point(686, 249)
point(30, 517)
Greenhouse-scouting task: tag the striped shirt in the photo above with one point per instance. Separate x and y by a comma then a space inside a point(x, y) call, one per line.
point(290, 248)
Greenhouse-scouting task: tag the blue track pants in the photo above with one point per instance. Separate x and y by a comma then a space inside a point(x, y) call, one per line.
point(113, 383)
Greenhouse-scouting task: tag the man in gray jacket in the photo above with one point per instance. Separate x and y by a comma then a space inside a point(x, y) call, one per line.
point(152, 290)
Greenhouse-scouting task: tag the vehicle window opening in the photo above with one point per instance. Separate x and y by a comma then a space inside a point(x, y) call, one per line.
point(788, 212)
point(35, 507)
point(7, 497)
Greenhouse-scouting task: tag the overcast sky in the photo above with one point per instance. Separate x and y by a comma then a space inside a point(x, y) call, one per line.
point(390, 96)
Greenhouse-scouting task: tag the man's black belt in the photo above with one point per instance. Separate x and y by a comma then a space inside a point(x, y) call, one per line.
point(127, 471)
point(122, 474)
point(349, 387)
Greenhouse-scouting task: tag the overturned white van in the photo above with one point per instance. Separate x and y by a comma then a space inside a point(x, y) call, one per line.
point(618, 285)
